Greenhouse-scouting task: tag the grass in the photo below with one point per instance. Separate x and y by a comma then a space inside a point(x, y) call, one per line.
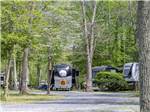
point(137, 94)
point(14, 97)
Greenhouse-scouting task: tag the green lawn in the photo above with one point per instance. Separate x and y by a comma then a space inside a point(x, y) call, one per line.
point(14, 97)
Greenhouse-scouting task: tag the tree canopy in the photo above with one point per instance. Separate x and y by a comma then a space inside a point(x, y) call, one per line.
point(58, 26)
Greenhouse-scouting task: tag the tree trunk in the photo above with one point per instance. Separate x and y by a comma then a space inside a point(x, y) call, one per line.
point(13, 72)
point(143, 34)
point(7, 78)
point(89, 75)
point(50, 73)
point(38, 74)
point(19, 69)
point(25, 72)
point(11, 77)
point(48, 82)
point(50, 70)
point(15, 86)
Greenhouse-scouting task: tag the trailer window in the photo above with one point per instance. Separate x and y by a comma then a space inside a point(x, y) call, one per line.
point(126, 72)
point(2, 78)
point(113, 70)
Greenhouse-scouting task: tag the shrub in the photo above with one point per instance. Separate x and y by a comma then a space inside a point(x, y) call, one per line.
point(110, 81)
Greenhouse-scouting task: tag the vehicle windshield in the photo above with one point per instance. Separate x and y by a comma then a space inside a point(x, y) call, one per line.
point(62, 67)
point(126, 71)
point(94, 74)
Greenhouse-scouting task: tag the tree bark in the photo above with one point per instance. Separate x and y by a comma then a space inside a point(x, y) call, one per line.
point(143, 34)
point(50, 71)
point(24, 75)
point(15, 86)
point(11, 77)
point(20, 69)
point(38, 74)
point(13, 72)
point(7, 78)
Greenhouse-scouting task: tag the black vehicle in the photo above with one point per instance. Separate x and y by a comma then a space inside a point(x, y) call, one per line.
point(64, 76)
point(97, 69)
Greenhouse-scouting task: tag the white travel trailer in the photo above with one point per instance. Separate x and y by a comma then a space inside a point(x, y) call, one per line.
point(131, 72)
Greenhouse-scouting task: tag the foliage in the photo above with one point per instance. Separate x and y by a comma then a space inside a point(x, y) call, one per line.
point(58, 26)
point(115, 36)
point(116, 42)
point(110, 81)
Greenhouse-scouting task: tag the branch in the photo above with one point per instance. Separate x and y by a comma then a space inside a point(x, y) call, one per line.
point(92, 30)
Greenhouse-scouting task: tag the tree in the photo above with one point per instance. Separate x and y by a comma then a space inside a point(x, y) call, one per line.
point(31, 29)
point(17, 19)
point(25, 69)
point(143, 35)
point(90, 42)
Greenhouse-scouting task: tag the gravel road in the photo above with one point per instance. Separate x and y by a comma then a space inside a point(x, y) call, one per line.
point(80, 102)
